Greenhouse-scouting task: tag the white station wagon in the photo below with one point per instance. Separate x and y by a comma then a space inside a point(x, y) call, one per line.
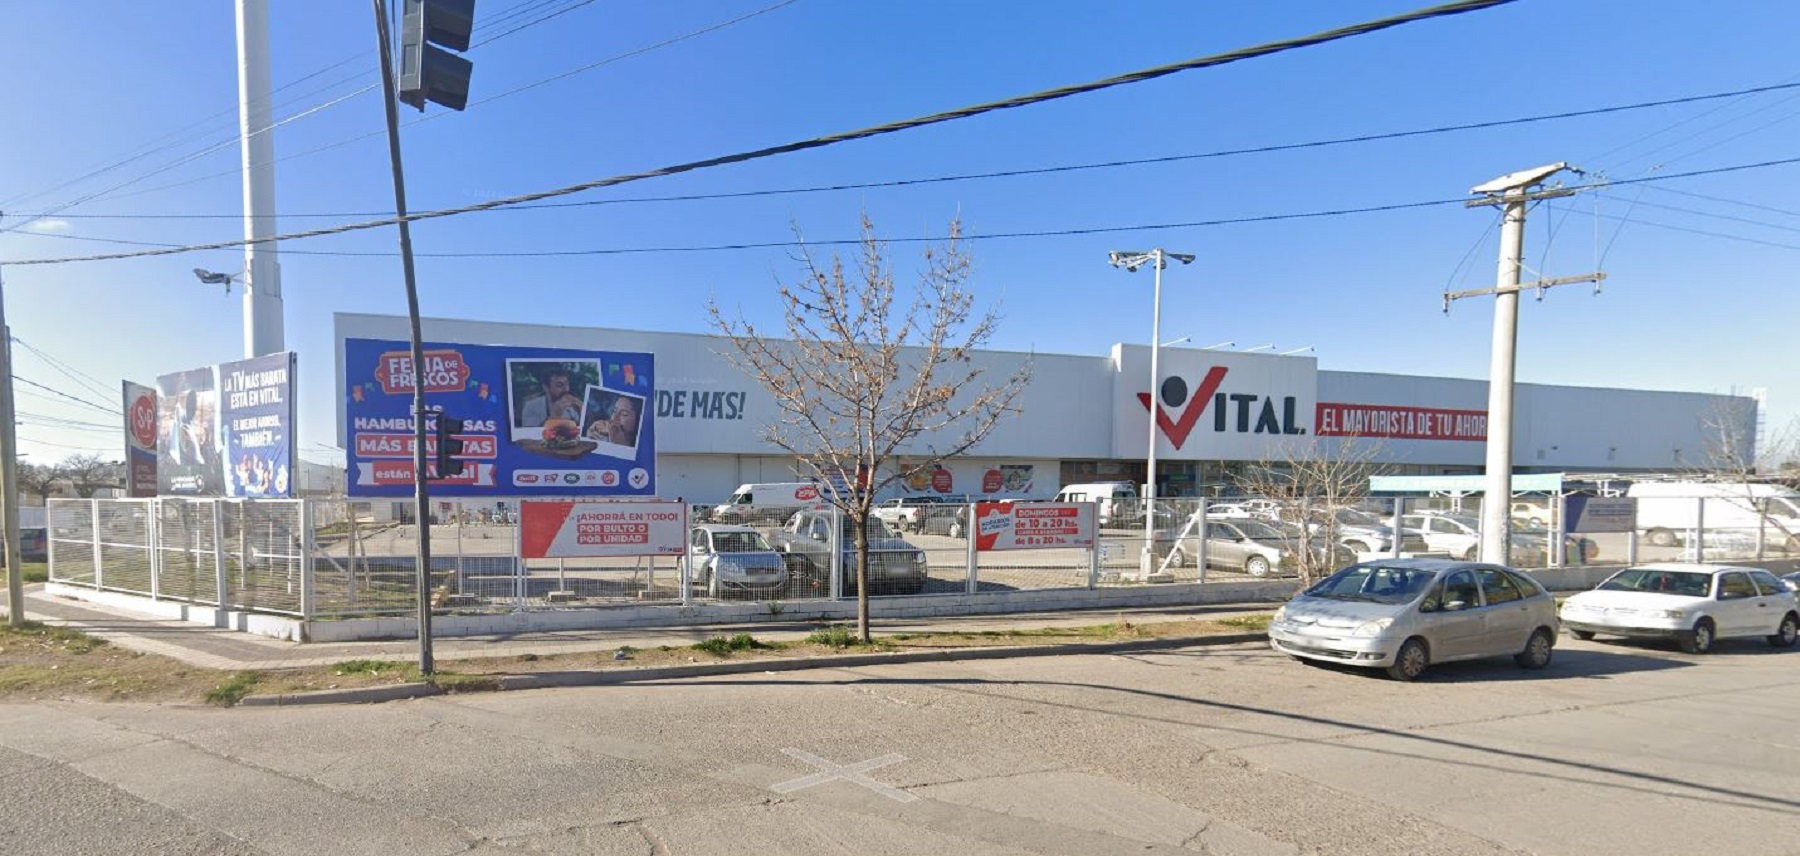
point(1692, 604)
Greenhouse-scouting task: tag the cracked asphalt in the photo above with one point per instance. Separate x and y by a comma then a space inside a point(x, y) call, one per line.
point(1225, 749)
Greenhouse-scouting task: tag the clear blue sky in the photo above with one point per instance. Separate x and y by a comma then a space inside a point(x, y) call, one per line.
point(90, 84)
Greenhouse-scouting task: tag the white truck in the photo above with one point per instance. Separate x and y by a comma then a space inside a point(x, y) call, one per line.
point(1668, 511)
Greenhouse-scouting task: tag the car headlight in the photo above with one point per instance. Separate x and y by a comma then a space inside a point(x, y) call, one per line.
point(1280, 614)
point(1373, 628)
point(1678, 615)
point(919, 559)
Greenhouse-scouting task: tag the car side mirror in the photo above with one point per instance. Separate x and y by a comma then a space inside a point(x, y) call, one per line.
point(1428, 605)
point(1456, 606)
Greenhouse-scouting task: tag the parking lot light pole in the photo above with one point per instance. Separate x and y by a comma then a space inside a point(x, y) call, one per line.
point(1131, 260)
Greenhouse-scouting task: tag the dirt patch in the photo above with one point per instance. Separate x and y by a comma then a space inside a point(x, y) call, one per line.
point(43, 662)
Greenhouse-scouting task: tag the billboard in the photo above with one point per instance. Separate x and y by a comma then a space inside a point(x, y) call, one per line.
point(551, 421)
point(140, 440)
point(1033, 525)
point(1211, 405)
point(1399, 422)
point(257, 426)
point(187, 437)
point(551, 529)
point(1599, 514)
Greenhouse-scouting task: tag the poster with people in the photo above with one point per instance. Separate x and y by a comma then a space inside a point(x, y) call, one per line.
point(140, 439)
point(549, 421)
point(257, 426)
point(187, 443)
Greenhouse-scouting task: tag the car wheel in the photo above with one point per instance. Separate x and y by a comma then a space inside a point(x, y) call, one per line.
point(1662, 538)
point(1538, 650)
point(1698, 640)
point(1411, 662)
point(1178, 558)
point(712, 584)
point(956, 529)
point(1789, 632)
point(1535, 523)
point(1256, 566)
point(1583, 635)
point(1359, 547)
point(1468, 555)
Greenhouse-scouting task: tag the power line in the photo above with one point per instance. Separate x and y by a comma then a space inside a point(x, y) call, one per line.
point(423, 119)
point(1011, 173)
point(563, 11)
point(60, 394)
point(1691, 231)
point(1265, 49)
point(1678, 209)
point(92, 383)
point(1769, 208)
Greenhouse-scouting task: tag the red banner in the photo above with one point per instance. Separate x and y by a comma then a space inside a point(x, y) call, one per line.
point(1399, 423)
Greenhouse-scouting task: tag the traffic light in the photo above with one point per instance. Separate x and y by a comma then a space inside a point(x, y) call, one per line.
point(449, 446)
point(430, 73)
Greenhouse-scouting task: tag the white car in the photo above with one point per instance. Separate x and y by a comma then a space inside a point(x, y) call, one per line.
point(1692, 604)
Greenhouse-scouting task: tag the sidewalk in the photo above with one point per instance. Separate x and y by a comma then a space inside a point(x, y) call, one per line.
point(227, 650)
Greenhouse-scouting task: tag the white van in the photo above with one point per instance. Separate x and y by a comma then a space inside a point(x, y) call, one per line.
point(1104, 494)
point(1667, 511)
point(769, 501)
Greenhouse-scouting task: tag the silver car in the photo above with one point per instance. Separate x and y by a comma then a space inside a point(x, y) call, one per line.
point(736, 561)
point(1402, 615)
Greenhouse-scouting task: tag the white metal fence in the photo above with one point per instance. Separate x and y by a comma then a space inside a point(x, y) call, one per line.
point(318, 559)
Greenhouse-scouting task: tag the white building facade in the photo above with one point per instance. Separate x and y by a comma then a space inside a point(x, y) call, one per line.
point(1088, 418)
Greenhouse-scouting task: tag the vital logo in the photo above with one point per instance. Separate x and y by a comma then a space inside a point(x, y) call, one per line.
point(1174, 397)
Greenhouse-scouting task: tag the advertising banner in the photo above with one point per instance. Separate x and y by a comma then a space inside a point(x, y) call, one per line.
point(140, 440)
point(1033, 525)
point(1599, 514)
point(536, 420)
point(570, 529)
point(257, 425)
point(187, 442)
point(1400, 423)
point(1211, 405)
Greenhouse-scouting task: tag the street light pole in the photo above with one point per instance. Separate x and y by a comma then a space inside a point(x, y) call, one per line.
point(1131, 261)
point(9, 477)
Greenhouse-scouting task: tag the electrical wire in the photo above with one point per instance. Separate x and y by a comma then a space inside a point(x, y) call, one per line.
point(1266, 49)
point(91, 383)
point(1011, 173)
point(532, 23)
point(1678, 209)
point(60, 394)
point(1692, 231)
point(1769, 208)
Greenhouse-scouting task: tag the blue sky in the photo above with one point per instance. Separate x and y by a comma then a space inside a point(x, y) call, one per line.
point(91, 84)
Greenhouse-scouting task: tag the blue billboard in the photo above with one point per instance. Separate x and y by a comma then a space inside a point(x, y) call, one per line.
point(544, 421)
point(256, 425)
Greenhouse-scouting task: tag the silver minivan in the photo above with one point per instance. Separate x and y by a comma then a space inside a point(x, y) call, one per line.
point(1402, 615)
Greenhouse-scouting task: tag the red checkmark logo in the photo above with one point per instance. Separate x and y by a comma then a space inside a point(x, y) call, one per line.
point(1177, 429)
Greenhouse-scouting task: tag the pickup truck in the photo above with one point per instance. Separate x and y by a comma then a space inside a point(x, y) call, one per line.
point(895, 567)
point(905, 513)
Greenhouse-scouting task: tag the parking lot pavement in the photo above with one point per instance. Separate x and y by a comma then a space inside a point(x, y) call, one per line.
point(1615, 749)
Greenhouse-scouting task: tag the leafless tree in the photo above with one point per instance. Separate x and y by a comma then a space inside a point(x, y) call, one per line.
point(1310, 478)
point(868, 371)
point(39, 479)
point(1736, 456)
point(89, 473)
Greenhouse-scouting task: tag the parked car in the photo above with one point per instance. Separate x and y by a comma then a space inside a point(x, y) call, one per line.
point(1792, 580)
point(1460, 536)
point(733, 560)
point(951, 519)
point(1256, 547)
point(1689, 603)
point(1363, 532)
point(905, 513)
point(34, 545)
point(1116, 502)
point(1403, 615)
point(895, 566)
point(1531, 513)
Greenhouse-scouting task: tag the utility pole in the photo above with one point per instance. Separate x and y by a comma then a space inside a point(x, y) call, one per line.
point(1513, 192)
point(9, 475)
point(262, 272)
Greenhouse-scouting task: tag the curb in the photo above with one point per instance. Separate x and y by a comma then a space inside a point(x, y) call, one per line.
point(552, 680)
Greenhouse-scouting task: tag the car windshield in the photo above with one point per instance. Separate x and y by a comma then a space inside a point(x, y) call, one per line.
point(1684, 583)
point(1374, 583)
point(1353, 517)
point(740, 542)
point(1258, 531)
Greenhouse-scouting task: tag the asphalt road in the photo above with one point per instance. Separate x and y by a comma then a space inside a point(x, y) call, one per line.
point(1615, 749)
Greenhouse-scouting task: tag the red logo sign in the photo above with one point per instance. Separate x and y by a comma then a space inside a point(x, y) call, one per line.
point(940, 480)
point(992, 481)
point(142, 416)
point(807, 494)
point(1177, 429)
point(445, 371)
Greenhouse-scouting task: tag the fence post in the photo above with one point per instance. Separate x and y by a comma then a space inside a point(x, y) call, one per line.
point(99, 563)
point(221, 573)
point(1700, 529)
point(1091, 511)
point(835, 543)
point(1631, 546)
point(152, 529)
point(1399, 534)
point(1200, 550)
point(971, 558)
point(1762, 529)
point(308, 540)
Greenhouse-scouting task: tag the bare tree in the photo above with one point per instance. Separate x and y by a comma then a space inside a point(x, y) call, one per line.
point(88, 473)
point(39, 479)
point(1737, 458)
point(1310, 479)
point(866, 373)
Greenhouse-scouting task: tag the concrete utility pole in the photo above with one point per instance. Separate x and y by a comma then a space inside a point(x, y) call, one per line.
point(9, 476)
point(1513, 192)
point(262, 272)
